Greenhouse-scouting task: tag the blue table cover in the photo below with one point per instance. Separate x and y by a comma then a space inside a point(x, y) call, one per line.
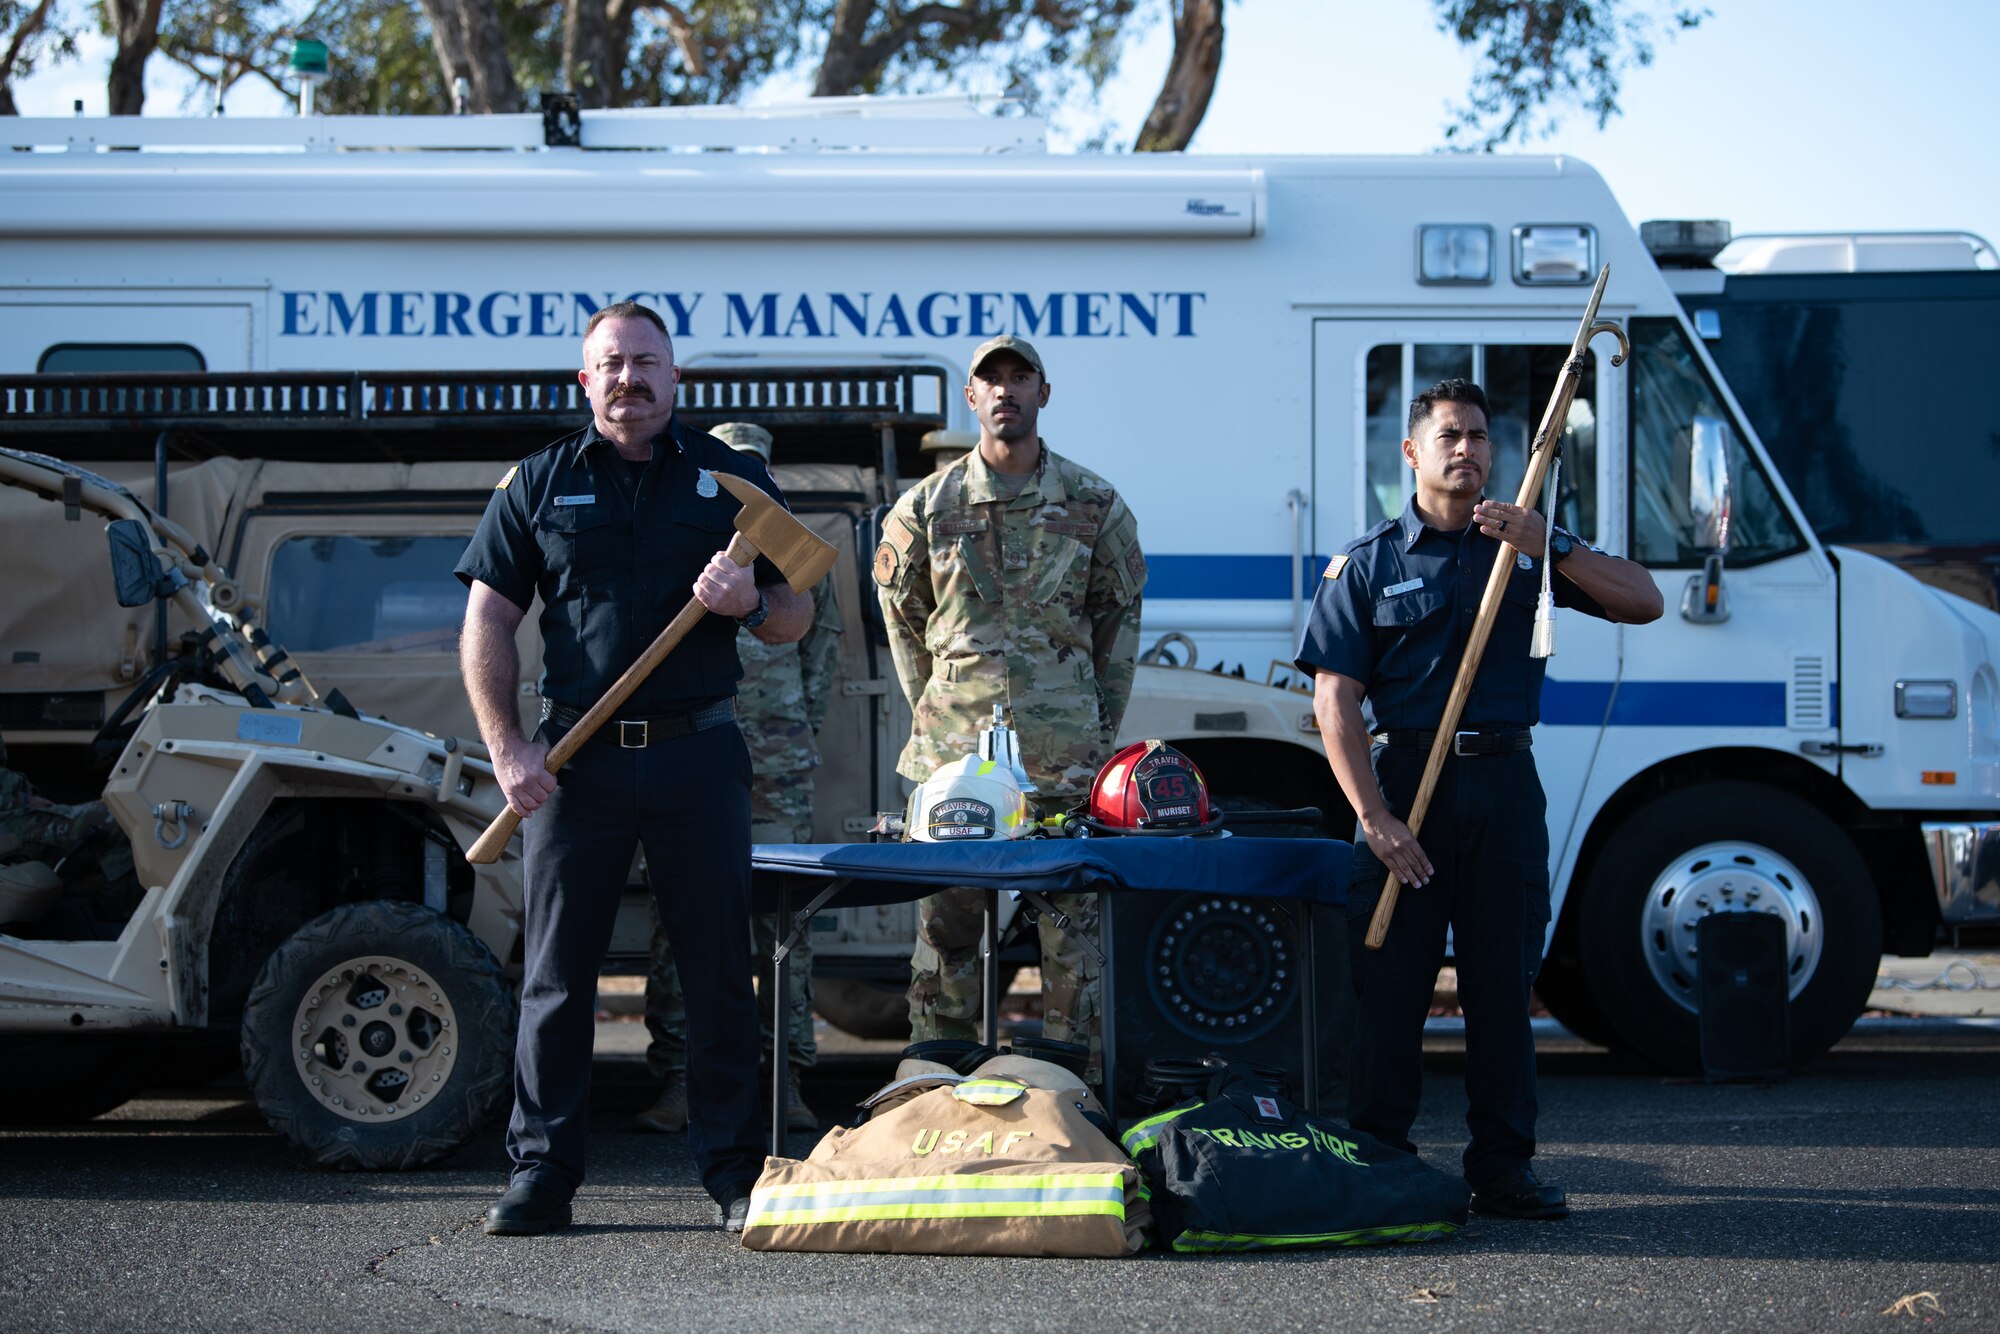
point(1315, 869)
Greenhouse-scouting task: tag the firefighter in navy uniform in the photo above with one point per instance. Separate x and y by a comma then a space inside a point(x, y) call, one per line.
point(1389, 624)
point(613, 526)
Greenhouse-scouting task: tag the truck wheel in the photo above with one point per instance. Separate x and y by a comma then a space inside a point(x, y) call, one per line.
point(1564, 989)
point(379, 1035)
point(878, 1011)
point(863, 1009)
point(1727, 847)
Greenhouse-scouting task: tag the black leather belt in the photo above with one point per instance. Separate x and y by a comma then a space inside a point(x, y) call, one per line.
point(1480, 741)
point(638, 733)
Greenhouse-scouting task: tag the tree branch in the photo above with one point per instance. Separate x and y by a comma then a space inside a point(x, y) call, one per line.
point(1190, 82)
point(853, 62)
point(681, 29)
point(29, 27)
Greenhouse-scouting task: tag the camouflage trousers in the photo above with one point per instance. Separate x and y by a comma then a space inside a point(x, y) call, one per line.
point(946, 985)
point(51, 833)
point(666, 1011)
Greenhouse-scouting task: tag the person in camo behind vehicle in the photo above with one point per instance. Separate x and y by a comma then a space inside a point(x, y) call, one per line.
point(779, 706)
point(1012, 577)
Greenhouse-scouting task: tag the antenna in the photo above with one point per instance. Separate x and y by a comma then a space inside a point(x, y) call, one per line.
point(309, 66)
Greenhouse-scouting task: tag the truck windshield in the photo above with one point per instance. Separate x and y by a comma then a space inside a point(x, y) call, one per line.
point(367, 594)
point(1669, 390)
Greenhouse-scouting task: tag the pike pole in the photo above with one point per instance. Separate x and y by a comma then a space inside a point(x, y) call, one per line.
point(1541, 453)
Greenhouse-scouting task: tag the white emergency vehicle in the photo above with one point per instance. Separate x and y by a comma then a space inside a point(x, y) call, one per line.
point(1233, 341)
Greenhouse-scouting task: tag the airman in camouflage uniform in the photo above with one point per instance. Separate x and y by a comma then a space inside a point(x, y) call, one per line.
point(45, 831)
point(780, 705)
point(1018, 587)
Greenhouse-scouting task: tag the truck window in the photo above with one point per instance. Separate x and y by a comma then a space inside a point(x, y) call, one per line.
point(1518, 379)
point(120, 357)
point(367, 594)
point(1669, 390)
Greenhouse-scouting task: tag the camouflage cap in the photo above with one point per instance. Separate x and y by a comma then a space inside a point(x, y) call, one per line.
point(1020, 347)
point(744, 436)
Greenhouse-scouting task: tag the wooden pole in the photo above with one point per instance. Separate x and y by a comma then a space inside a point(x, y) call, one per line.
point(1541, 453)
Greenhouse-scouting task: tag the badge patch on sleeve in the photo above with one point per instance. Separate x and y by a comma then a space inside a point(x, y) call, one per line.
point(885, 564)
point(1335, 566)
point(501, 485)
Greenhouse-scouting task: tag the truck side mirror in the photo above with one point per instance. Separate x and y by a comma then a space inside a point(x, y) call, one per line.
point(135, 570)
point(1710, 443)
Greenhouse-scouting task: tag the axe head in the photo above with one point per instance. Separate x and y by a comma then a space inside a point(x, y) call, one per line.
point(803, 557)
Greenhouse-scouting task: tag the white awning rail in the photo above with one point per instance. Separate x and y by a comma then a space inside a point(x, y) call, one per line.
point(946, 123)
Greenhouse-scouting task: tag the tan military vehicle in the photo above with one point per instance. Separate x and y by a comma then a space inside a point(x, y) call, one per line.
point(297, 877)
point(337, 544)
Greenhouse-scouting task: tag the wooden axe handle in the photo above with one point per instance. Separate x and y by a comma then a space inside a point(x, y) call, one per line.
point(487, 850)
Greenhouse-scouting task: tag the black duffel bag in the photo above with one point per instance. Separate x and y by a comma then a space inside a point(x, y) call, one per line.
point(1242, 1168)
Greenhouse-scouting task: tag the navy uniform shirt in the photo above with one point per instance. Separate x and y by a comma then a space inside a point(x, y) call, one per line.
point(1395, 609)
point(614, 551)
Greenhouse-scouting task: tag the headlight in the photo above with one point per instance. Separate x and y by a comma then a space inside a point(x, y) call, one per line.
point(1926, 699)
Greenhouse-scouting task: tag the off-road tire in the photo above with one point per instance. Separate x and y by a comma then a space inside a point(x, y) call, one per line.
point(446, 1004)
point(1762, 830)
point(861, 1008)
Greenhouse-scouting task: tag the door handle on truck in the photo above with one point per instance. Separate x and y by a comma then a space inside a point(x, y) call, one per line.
point(1866, 749)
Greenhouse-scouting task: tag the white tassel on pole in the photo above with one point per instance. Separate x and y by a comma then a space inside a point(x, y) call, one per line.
point(1543, 643)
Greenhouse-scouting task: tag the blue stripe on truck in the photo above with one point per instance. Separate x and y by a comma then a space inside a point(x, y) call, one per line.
point(1664, 703)
point(1244, 577)
point(1229, 578)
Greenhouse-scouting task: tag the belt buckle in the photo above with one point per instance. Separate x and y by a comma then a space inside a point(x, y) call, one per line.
point(628, 729)
point(1458, 743)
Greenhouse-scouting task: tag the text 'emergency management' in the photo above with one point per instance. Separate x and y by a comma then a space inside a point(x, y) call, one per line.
point(871, 315)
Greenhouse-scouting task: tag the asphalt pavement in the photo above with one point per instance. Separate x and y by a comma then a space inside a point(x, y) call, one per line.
point(1866, 1186)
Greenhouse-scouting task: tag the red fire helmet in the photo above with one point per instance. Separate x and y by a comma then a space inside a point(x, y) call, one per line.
point(1150, 788)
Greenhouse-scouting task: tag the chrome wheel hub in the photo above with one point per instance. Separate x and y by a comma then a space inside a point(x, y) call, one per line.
point(1729, 876)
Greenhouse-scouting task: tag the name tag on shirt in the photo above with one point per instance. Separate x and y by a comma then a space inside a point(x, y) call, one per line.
point(1407, 586)
point(561, 502)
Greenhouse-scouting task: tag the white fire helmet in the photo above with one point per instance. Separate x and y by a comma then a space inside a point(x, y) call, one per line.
point(968, 799)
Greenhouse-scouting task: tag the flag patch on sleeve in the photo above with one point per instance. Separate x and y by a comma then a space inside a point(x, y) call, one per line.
point(1334, 567)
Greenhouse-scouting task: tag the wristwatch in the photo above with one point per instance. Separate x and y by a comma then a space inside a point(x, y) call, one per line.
point(1560, 545)
point(756, 618)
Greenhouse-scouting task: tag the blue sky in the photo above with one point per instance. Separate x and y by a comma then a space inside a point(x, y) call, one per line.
point(1779, 115)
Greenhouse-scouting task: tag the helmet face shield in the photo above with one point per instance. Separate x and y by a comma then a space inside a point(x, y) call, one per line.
point(1151, 788)
point(968, 800)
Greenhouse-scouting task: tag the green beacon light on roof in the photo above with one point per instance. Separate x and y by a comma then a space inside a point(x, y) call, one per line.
point(309, 66)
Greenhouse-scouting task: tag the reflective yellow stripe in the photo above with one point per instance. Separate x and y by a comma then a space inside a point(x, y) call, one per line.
point(968, 1196)
point(944, 1181)
point(988, 1092)
point(957, 1209)
point(1193, 1241)
point(1146, 1133)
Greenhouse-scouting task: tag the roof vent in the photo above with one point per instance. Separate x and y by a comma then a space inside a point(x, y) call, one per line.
point(1678, 243)
point(1857, 252)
